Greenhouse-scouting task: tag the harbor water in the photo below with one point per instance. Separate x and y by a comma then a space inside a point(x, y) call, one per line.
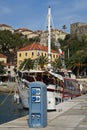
point(9, 110)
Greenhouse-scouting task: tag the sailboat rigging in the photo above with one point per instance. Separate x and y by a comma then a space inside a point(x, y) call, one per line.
point(57, 85)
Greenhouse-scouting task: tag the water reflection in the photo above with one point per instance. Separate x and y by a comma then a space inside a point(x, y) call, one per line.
point(10, 110)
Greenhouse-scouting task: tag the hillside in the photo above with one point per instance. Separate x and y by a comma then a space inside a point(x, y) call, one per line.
point(75, 54)
point(75, 50)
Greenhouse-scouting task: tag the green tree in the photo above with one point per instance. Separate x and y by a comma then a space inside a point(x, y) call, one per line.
point(57, 64)
point(10, 43)
point(42, 61)
point(2, 70)
point(64, 27)
point(27, 64)
point(76, 62)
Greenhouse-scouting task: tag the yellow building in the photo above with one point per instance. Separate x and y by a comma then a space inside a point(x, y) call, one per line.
point(33, 51)
point(3, 58)
point(9, 68)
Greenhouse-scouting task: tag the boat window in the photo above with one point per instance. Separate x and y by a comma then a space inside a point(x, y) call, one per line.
point(38, 78)
point(45, 79)
point(29, 78)
point(71, 86)
point(9, 72)
point(51, 81)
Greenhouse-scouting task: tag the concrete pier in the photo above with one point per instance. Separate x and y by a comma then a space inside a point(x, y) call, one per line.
point(69, 115)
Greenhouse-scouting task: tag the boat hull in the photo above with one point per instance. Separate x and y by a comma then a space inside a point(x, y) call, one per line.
point(51, 97)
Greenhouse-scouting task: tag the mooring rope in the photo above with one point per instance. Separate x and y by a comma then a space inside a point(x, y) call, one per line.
point(11, 91)
point(1, 103)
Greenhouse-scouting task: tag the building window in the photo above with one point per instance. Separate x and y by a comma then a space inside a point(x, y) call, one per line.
point(32, 54)
point(56, 56)
point(53, 56)
point(38, 53)
point(42, 54)
point(26, 54)
point(19, 54)
point(9, 72)
point(9, 66)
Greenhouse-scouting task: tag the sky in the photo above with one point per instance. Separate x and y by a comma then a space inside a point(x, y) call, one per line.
point(32, 14)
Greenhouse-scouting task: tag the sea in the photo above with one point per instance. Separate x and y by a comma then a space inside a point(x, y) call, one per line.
point(9, 110)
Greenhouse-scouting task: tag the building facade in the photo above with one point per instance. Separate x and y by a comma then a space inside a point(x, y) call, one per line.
point(33, 51)
point(28, 33)
point(6, 27)
point(55, 34)
point(3, 58)
point(9, 68)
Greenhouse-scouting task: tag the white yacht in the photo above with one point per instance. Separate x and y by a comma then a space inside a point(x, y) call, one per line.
point(59, 87)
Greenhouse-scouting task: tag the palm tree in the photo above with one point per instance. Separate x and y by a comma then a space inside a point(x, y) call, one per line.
point(76, 62)
point(64, 27)
point(42, 61)
point(57, 64)
point(2, 70)
point(27, 64)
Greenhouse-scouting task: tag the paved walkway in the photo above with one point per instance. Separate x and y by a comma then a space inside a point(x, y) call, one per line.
point(70, 115)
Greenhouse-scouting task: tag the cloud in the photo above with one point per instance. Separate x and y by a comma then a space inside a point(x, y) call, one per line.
point(5, 10)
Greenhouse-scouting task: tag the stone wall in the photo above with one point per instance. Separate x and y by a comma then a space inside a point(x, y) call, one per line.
point(78, 29)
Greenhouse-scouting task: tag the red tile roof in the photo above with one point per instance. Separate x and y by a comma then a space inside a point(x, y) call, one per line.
point(5, 25)
point(2, 56)
point(24, 29)
point(36, 46)
point(7, 64)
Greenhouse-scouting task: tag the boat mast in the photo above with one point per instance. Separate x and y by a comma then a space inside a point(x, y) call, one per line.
point(49, 38)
